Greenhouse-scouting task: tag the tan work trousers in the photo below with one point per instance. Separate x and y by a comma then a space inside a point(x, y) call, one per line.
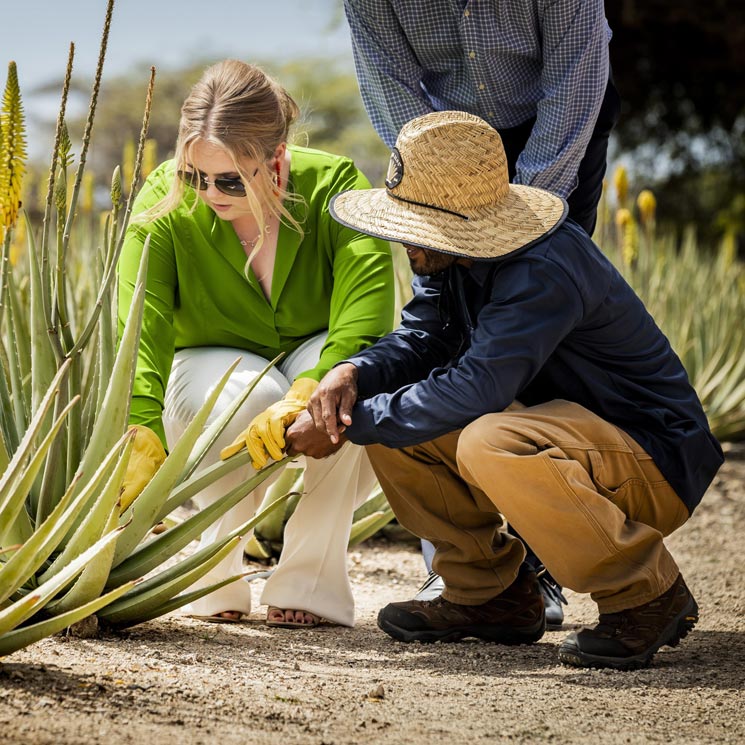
point(584, 495)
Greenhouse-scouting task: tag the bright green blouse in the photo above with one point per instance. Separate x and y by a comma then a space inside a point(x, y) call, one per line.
point(331, 278)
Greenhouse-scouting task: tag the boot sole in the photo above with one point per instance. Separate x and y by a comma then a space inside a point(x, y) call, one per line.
point(498, 634)
point(676, 630)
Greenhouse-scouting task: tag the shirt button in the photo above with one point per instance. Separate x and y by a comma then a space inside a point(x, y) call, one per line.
point(467, 13)
point(481, 86)
point(490, 114)
point(472, 54)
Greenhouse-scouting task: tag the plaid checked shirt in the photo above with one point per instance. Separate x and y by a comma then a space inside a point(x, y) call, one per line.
point(503, 60)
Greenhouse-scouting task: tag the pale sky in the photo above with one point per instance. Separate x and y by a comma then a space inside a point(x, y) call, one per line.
point(36, 34)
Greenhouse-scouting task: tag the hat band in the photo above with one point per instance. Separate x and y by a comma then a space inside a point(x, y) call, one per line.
point(428, 206)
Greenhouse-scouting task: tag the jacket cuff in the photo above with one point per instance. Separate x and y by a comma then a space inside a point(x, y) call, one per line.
point(368, 379)
point(362, 430)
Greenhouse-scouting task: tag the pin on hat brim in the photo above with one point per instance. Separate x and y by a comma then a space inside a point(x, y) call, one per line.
point(518, 220)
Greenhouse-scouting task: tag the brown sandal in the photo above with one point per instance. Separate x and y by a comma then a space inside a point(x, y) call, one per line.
point(235, 617)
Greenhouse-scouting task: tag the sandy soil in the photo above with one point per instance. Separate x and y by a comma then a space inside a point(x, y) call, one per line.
point(180, 680)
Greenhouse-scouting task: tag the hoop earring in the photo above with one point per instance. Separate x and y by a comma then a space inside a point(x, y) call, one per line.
point(278, 179)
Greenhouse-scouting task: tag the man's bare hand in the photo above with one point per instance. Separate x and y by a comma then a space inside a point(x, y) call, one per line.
point(331, 404)
point(303, 438)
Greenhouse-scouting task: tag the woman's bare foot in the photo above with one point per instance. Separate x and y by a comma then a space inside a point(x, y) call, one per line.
point(291, 619)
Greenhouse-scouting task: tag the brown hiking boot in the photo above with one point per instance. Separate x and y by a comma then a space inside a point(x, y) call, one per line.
point(514, 617)
point(627, 640)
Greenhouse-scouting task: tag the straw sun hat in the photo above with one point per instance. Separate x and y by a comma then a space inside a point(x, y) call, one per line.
point(447, 189)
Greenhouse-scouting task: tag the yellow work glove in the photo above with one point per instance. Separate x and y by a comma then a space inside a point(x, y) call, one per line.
point(145, 459)
point(265, 436)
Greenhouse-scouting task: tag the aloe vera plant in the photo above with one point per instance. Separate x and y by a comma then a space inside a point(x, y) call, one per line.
point(267, 541)
point(67, 550)
point(699, 302)
point(698, 299)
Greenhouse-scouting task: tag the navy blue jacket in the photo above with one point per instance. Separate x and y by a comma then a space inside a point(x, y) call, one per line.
point(553, 321)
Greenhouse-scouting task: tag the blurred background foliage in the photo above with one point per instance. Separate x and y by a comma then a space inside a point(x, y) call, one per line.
point(681, 134)
point(679, 69)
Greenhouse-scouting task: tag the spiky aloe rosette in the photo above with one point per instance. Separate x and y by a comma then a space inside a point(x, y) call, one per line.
point(67, 550)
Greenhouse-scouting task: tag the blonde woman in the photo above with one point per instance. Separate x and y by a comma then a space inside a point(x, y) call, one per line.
point(246, 261)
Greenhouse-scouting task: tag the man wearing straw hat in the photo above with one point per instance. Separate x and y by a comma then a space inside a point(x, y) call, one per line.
point(538, 72)
point(607, 451)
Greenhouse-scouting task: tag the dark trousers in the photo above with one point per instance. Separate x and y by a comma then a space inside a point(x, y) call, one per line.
point(583, 201)
point(583, 206)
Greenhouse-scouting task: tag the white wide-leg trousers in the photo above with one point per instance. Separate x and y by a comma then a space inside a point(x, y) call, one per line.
point(312, 571)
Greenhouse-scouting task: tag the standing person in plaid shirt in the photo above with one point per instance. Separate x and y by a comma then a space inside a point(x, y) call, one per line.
point(536, 70)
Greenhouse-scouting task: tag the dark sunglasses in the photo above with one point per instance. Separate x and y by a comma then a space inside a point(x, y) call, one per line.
point(233, 187)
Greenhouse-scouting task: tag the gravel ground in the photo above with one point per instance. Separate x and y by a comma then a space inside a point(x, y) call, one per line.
point(180, 680)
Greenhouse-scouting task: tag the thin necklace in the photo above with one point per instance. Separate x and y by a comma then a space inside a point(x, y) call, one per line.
point(278, 187)
point(253, 243)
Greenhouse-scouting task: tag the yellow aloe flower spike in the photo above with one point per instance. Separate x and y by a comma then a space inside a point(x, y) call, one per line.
point(623, 217)
point(128, 162)
point(647, 205)
point(621, 184)
point(87, 202)
point(149, 157)
point(12, 150)
point(630, 250)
